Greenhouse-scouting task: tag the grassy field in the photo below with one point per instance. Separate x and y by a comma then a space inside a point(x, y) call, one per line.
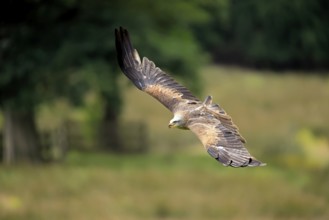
point(96, 186)
point(283, 117)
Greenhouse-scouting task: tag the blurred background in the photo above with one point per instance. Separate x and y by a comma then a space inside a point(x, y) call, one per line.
point(79, 141)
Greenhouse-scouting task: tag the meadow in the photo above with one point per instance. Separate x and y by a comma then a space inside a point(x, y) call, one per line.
point(284, 118)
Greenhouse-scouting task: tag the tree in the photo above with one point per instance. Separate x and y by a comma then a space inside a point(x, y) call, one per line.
point(273, 34)
point(283, 33)
point(45, 43)
point(27, 51)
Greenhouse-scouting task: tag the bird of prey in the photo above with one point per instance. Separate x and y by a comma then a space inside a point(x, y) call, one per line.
point(208, 121)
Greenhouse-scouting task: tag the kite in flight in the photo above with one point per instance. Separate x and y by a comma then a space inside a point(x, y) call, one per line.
point(208, 121)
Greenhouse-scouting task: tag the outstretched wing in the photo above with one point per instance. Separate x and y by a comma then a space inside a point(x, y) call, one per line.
point(221, 138)
point(147, 77)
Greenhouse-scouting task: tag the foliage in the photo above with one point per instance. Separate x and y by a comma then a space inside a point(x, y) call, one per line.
point(275, 34)
point(45, 45)
point(293, 31)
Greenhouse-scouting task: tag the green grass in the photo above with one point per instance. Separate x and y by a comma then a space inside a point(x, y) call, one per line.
point(96, 186)
point(283, 117)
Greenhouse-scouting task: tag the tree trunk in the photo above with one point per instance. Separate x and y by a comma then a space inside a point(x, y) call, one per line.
point(110, 137)
point(8, 139)
point(21, 141)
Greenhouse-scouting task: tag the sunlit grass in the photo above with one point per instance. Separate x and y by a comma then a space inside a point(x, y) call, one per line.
point(283, 117)
point(95, 186)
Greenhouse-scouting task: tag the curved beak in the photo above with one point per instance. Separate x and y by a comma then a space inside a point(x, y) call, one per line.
point(171, 125)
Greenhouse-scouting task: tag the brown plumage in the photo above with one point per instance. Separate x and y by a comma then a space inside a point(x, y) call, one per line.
point(215, 129)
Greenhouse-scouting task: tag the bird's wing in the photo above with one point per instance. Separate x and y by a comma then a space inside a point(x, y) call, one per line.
point(147, 77)
point(221, 138)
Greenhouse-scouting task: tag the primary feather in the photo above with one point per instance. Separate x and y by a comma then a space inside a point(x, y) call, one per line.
point(147, 77)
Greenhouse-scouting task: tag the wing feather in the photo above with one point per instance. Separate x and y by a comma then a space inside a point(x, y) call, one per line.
point(222, 140)
point(218, 112)
point(147, 77)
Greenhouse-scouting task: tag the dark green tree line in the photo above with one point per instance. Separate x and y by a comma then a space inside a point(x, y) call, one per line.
point(274, 34)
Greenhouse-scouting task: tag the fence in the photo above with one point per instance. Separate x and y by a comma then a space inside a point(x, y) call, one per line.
point(133, 136)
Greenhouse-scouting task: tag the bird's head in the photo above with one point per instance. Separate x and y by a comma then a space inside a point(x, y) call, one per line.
point(177, 122)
